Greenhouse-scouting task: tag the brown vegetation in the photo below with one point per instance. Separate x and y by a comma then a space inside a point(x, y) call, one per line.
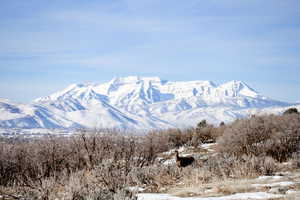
point(274, 136)
point(105, 164)
point(41, 166)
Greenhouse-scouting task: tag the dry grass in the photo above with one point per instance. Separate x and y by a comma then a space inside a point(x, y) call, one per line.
point(229, 186)
point(215, 189)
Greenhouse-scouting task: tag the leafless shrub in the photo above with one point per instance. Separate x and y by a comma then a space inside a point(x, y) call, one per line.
point(77, 165)
point(274, 136)
point(174, 138)
point(226, 166)
point(167, 176)
point(295, 160)
point(207, 134)
point(177, 137)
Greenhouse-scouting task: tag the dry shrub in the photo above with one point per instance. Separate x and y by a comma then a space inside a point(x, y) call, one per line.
point(274, 136)
point(144, 176)
point(207, 134)
point(171, 138)
point(39, 167)
point(156, 178)
point(174, 138)
point(203, 133)
point(178, 137)
point(253, 166)
point(295, 160)
point(196, 176)
point(226, 166)
point(167, 176)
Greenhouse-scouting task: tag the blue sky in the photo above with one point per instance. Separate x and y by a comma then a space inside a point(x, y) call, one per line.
point(47, 45)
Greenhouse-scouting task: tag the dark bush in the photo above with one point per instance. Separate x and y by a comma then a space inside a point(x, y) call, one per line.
point(222, 124)
point(291, 111)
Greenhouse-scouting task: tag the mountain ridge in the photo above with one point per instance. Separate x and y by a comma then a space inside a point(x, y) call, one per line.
point(137, 103)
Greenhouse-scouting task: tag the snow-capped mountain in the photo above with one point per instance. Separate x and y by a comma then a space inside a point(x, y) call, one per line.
point(139, 103)
point(13, 115)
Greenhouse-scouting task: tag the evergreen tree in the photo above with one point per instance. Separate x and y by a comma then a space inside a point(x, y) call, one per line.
point(291, 111)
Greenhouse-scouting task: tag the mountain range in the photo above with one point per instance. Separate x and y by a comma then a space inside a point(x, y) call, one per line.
point(139, 103)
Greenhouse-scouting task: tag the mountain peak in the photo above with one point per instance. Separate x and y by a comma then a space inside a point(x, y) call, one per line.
point(134, 79)
point(236, 88)
point(79, 85)
point(237, 83)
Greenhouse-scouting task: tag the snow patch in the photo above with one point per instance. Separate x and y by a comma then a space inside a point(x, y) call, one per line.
point(278, 184)
point(239, 196)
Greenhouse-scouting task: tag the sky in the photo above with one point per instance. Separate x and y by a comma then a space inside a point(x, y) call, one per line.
point(47, 45)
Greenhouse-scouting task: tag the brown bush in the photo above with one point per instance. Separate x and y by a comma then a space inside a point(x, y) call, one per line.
point(295, 160)
point(274, 136)
point(177, 137)
point(226, 166)
point(172, 138)
point(38, 167)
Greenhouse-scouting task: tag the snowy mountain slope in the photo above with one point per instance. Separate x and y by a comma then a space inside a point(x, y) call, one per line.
point(270, 110)
point(124, 92)
point(139, 103)
point(15, 115)
point(81, 104)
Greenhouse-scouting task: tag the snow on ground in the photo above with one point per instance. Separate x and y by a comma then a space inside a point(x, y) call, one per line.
point(208, 146)
point(36, 132)
point(170, 162)
point(279, 184)
point(269, 177)
point(172, 151)
point(277, 187)
point(239, 196)
point(136, 189)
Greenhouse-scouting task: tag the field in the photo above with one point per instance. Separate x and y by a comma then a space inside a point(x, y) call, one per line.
point(253, 158)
